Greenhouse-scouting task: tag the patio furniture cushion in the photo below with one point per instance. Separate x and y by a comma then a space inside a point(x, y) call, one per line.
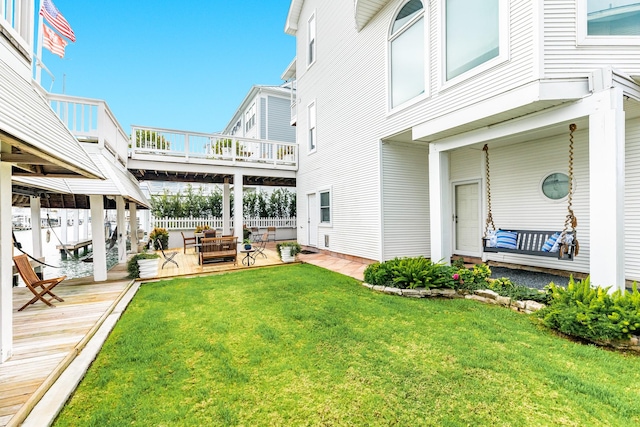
point(507, 239)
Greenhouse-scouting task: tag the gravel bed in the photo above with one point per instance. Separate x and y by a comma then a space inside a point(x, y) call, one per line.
point(532, 279)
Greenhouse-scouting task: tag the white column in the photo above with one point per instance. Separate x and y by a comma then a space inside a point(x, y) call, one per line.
point(439, 205)
point(606, 198)
point(85, 223)
point(122, 230)
point(238, 216)
point(76, 226)
point(63, 226)
point(36, 233)
point(6, 264)
point(133, 226)
point(226, 214)
point(98, 238)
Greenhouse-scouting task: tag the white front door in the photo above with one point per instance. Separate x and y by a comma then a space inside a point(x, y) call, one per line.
point(467, 219)
point(312, 219)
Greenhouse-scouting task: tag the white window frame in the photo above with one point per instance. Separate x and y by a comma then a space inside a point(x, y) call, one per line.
point(312, 127)
point(586, 40)
point(425, 94)
point(330, 207)
point(311, 46)
point(21, 25)
point(503, 46)
point(250, 118)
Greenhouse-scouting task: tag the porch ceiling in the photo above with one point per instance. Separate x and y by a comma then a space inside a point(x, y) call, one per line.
point(211, 178)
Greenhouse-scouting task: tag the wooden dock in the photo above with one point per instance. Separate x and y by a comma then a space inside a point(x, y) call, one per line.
point(74, 247)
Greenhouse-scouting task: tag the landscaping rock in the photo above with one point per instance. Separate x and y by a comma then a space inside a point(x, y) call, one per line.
point(504, 301)
point(392, 291)
point(367, 285)
point(479, 298)
point(379, 288)
point(533, 306)
point(412, 293)
point(487, 293)
point(446, 293)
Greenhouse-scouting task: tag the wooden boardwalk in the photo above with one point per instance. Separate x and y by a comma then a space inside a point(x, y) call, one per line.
point(47, 340)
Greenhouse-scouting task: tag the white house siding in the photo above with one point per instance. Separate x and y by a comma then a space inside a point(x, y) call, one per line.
point(348, 83)
point(466, 164)
point(278, 119)
point(263, 118)
point(517, 172)
point(563, 58)
point(405, 200)
point(632, 201)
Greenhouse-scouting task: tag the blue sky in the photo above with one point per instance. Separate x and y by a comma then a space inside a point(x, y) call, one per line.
point(180, 65)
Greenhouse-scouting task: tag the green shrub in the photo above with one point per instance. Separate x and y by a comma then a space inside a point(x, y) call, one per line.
point(470, 280)
point(504, 287)
point(160, 234)
point(295, 248)
point(411, 273)
point(592, 313)
point(132, 264)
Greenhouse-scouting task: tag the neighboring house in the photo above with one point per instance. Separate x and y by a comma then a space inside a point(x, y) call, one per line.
point(265, 113)
point(396, 99)
point(33, 141)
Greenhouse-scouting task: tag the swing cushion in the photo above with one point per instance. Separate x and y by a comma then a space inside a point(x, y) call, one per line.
point(507, 239)
point(550, 245)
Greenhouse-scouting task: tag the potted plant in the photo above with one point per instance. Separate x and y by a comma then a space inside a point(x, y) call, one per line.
point(201, 228)
point(161, 234)
point(247, 244)
point(143, 265)
point(288, 251)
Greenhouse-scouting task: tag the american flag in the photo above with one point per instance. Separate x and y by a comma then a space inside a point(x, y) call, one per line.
point(55, 18)
point(52, 41)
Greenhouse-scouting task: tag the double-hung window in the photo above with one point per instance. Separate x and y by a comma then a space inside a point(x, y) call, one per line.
point(250, 118)
point(325, 207)
point(609, 22)
point(475, 35)
point(406, 47)
point(311, 40)
point(312, 126)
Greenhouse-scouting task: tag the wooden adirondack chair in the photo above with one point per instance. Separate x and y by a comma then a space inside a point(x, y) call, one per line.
point(40, 288)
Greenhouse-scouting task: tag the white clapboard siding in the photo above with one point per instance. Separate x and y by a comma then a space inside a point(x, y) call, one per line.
point(278, 118)
point(405, 200)
point(632, 201)
point(466, 164)
point(563, 58)
point(349, 85)
point(517, 201)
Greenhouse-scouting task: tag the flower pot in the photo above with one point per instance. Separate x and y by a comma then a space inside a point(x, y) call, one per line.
point(247, 246)
point(285, 254)
point(148, 268)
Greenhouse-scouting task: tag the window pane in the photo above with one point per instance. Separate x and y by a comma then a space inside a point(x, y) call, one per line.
point(407, 64)
point(556, 186)
point(324, 199)
point(325, 215)
point(613, 17)
point(407, 12)
point(473, 34)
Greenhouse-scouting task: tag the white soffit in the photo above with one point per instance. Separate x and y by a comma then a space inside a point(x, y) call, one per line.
point(118, 182)
point(25, 117)
point(291, 25)
point(365, 10)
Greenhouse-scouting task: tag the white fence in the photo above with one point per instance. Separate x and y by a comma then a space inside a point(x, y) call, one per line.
point(213, 222)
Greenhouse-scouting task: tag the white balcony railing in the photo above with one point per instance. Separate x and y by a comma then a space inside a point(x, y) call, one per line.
point(172, 145)
point(91, 120)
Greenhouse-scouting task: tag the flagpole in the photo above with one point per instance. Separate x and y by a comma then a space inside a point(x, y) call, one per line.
point(39, 49)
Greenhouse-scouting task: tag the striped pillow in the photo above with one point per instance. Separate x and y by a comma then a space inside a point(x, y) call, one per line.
point(551, 243)
point(507, 239)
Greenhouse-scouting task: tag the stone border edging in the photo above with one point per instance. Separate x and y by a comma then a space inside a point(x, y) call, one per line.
point(488, 296)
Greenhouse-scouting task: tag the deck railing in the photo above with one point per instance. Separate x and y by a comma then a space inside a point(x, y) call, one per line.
point(214, 222)
point(171, 145)
point(91, 120)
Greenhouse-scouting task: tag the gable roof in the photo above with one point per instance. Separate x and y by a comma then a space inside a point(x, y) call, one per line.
point(42, 144)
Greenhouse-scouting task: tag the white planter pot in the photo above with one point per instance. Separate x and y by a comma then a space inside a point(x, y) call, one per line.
point(285, 254)
point(148, 268)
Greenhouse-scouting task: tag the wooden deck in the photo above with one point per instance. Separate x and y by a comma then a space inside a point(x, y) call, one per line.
point(47, 340)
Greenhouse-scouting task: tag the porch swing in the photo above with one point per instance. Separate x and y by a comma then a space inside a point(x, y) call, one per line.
point(561, 244)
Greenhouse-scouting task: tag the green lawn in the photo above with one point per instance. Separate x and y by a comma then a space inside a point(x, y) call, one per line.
point(302, 346)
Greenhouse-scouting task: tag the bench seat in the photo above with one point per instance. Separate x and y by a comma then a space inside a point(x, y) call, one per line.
point(529, 242)
point(219, 248)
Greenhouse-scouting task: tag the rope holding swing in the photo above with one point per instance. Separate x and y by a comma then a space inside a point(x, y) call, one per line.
point(489, 221)
point(570, 222)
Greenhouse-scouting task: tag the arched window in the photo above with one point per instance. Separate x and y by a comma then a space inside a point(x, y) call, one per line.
point(407, 53)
